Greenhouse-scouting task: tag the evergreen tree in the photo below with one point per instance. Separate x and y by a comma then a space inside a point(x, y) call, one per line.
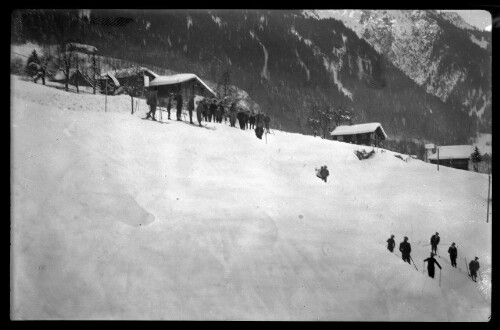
point(476, 158)
point(32, 64)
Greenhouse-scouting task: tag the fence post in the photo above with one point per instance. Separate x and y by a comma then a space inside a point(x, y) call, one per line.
point(488, 207)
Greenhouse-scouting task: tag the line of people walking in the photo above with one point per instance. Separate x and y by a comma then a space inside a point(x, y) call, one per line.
point(210, 110)
point(405, 249)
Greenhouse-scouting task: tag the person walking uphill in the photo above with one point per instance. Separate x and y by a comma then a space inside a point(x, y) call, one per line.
point(405, 249)
point(152, 101)
point(430, 265)
point(199, 111)
point(474, 267)
point(453, 254)
point(191, 108)
point(178, 100)
point(267, 119)
point(434, 242)
point(391, 244)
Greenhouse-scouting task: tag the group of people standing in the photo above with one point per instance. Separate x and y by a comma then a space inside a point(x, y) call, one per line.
point(210, 110)
point(405, 249)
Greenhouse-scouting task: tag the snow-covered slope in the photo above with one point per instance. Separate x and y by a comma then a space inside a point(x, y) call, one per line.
point(114, 217)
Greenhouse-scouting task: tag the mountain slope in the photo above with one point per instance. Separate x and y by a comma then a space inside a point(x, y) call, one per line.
point(114, 217)
point(434, 49)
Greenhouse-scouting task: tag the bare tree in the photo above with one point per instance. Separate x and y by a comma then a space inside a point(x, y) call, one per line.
point(65, 54)
point(134, 85)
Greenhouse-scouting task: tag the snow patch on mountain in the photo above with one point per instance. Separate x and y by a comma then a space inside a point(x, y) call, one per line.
point(481, 43)
point(217, 20)
point(303, 65)
point(265, 72)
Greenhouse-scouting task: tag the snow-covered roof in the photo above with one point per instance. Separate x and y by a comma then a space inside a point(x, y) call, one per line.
point(122, 73)
point(357, 129)
point(83, 47)
point(177, 79)
point(453, 152)
point(112, 76)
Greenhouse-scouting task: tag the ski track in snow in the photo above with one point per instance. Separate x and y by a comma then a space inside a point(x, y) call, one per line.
point(114, 217)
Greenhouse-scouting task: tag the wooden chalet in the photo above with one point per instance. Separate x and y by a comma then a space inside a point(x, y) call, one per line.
point(459, 156)
point(369, 134)
point(185, 83)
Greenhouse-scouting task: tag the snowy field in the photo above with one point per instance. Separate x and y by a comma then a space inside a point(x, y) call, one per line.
point(115, 217)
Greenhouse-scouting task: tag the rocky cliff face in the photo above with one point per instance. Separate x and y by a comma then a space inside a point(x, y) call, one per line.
point(438, 50)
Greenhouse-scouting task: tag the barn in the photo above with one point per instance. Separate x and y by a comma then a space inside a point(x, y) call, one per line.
point(369, 134)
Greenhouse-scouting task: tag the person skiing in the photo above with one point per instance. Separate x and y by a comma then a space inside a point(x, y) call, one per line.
point(232, 114)
point(434, 242)
point(259, 125)
point(391, 243)
point(241, 119)
point(474, 267)
point(324, 173)
point(152, 101)
point(169, 104)
point(405, 249)
point(267, 119)
point(211, 111)
point(430, 265)
point(453, 254)
point(199, 111)
point(220, 112)
point(246, 118)
point(178, 100)
point(251, 121)
point(191, 108)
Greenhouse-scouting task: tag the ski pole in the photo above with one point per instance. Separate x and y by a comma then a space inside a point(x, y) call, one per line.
point(439, 277)
point(413, 263)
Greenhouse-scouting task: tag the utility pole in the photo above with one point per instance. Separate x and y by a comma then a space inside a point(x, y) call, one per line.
point(106, 96)
point(438, 157)
point(488, 207)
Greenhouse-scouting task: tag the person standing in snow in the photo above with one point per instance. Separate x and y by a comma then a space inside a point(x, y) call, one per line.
point(474, 267)
point(241, 119)
point(251, 121)
point(405, 249)
point(267, 119)
point(169, 104)
point(232, 114)
point(152, 101)
point(430, 264)
point(212, 110)
point(178, 100)
point(324, 173)
point(199, 111)
point(453, 254)
point(434, 242)
point(191, 108)
point(259, 124)
point(391, 244)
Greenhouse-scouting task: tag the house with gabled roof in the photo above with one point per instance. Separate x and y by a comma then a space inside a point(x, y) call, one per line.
point(369, 134)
